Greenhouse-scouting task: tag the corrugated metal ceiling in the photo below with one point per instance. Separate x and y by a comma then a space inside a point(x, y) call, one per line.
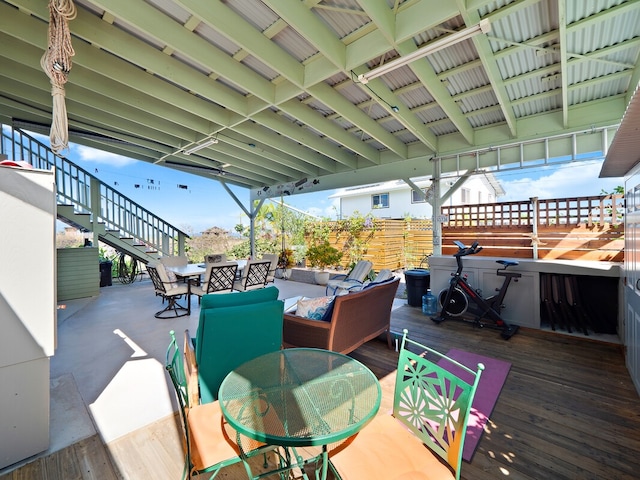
point(276, 80)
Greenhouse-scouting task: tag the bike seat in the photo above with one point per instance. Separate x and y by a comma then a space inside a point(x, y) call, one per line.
point(507, 263)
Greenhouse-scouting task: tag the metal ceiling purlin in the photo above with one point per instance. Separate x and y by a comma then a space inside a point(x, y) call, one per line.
point(564, 72)
point(117, 92)
point(306, 24)
point(233, 26)
point(156, 76)
point(243, 120)
point(386, 22)
point(485, 52)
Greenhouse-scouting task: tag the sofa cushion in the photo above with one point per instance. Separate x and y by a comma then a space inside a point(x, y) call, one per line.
point(315, 308)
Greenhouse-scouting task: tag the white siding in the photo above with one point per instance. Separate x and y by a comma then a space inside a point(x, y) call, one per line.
point(400, 204)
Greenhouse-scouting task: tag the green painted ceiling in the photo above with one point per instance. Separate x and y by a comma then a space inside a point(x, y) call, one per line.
point(275, 82)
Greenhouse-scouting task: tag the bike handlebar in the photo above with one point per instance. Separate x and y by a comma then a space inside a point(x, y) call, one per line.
point(463, 250)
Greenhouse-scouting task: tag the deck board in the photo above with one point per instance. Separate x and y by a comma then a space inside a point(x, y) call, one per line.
point(568, 410)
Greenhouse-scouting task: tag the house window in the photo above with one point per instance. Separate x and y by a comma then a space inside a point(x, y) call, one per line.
point(380, 200)
point(465, 195)
point(415, 198)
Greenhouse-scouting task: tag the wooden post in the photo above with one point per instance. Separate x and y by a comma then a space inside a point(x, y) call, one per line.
point(534, 226)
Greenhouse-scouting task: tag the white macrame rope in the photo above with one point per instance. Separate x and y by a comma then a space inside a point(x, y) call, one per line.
point(56, 63)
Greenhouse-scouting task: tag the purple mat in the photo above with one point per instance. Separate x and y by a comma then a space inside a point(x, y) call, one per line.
point(491, 382)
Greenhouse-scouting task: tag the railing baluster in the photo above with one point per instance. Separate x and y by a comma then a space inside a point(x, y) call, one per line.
point(73, 184)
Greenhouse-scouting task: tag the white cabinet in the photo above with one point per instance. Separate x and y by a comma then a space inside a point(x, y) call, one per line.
point(521, 306)
point(27, 310)
point(522, 302)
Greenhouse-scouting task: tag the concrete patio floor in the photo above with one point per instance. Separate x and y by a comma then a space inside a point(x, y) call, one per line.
point(107, 375)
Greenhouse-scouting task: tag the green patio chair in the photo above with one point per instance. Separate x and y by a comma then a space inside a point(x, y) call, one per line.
point(209, 443)
point(424, 437)
point(234, 328)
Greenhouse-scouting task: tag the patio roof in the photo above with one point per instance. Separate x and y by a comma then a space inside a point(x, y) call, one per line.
point(277, 83)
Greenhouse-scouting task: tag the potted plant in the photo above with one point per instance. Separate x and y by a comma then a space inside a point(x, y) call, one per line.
point(320, 256)
point(286, 262)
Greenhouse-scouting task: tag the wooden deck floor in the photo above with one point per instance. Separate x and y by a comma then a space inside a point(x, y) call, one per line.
point(568, 410)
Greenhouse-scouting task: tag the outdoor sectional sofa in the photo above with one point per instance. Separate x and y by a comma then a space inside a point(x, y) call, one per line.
point(356, 318)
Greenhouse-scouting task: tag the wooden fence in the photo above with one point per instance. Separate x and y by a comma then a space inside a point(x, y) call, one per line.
point(581, 228)
point(391, 244)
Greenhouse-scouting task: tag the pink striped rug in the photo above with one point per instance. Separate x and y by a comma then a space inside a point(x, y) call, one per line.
point(489, 388)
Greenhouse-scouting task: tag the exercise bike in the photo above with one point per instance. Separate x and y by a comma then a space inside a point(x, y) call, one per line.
point(460, 297)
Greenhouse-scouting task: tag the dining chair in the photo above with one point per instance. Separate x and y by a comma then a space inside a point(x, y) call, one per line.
point(169, 290)
point(218, 278)
point(254, 275)
point(273, 258)
point(356, 276)
point(215, 258)
point(209, 443)
point(174, 260)
point(424, 437)
point(232, 329)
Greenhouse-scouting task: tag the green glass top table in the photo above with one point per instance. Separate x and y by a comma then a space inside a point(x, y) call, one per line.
point(300, 397)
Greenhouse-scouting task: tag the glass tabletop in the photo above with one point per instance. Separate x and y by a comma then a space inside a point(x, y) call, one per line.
point(300, 397)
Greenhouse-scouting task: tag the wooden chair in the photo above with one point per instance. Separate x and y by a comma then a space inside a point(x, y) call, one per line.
point(170, 291)
point(254, 275)
point(356, 276)
point(424, 437)
point(208, 441)
point(218, 278)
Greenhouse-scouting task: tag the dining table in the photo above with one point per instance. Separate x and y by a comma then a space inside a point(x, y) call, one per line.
point(300, 397)
point(186, 273)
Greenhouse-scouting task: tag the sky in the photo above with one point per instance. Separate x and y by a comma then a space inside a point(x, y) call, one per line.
point(194, 204)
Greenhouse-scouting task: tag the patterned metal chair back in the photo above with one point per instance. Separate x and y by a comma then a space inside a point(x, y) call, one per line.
point(221, 277)
point(257, 273)
point(432, 402)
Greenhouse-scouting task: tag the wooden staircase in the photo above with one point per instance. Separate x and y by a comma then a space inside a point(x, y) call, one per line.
point(88, 204)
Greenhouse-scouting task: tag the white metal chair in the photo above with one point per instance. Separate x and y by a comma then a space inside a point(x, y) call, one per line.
point(215, 258)
point(174, 261)
point(218, 278)
point(169, 290)
point(273, 258)
point(254, 275)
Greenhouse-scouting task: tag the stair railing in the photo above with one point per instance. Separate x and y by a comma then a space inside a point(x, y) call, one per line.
point(120, 215)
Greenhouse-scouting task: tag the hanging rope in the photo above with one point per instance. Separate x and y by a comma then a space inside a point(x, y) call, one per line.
point(56, 63)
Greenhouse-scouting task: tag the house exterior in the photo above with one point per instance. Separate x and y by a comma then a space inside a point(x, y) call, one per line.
point(396, 199)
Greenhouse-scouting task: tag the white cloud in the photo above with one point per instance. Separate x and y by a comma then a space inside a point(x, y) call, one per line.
point(568, 180)
point(89, 154)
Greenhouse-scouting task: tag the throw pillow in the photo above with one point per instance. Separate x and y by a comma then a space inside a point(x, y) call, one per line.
point(314, 308)
point(171, 276)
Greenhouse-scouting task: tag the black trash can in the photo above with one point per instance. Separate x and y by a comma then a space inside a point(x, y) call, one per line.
point(105, 273)
point(418, 282)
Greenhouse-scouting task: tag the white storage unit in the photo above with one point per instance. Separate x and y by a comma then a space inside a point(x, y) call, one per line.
point(27, 310)
point(522, 302)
